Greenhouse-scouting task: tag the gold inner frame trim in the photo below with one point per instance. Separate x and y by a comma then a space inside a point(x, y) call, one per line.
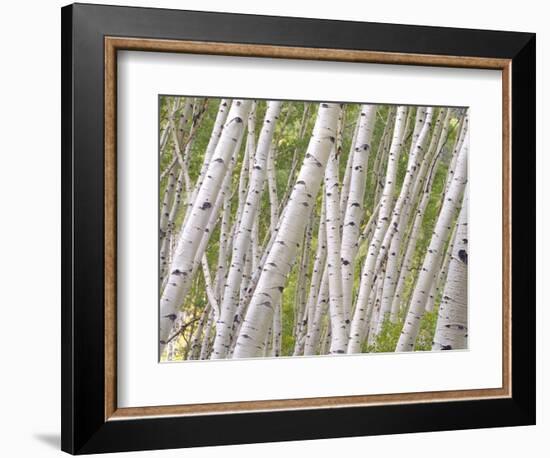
point(114, 44)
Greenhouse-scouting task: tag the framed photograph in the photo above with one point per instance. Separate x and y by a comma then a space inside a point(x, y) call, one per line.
point(284, 228)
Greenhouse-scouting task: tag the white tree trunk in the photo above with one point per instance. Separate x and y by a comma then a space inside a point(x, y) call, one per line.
point(243, 236)
point(219, 122)
point(338, 316)
point(382, 153)
point(451, 332)
point(460, 140)
point(346, 182)
point(277, 329)
point(439, 284)
point(355, 208)
point(402, 204)
point(422, 193)
point(272, 188)
point(399, 221)
point(300, 318)
point(170, 226)
point(433, 256)
point(360, 319)
point(279, 261)
point(313, 337)
point(179, 278)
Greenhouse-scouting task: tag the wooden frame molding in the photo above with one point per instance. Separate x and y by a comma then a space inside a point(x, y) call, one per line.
point(114, 44)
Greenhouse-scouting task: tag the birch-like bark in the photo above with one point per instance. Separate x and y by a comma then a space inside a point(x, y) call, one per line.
point(355, 208)
point(170, 226)
point(313, 337)
point(193, 230)
point(433, 256)
point(346, 182)
point(272, 188)
point(424, 189)
point(300, 318)
point(361, 314)
point(219, 122)
point(184, 120)
point(225, 233)
point(243, 236)
point(381, 154)
point(460, 140)
point(389, 303)
point(421, 113)
point(318, 267)
point(439, 284)
point(197, 335)
point(375, 300)
point(222, 196)
point(338, 315)
point(168, 197)
point(407, 266)
point(279, 261)
point(430, 302)
point(247, 164)
point(277, 329)
point(451, 332)
point(167, 130)
point(399, 220)
point(400, 211)
point(205, 345)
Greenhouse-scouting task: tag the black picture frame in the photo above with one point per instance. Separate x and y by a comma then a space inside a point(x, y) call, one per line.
point(84, 427)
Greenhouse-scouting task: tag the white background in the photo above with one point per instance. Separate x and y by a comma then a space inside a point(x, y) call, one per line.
point(30, 229)
point(142, 76)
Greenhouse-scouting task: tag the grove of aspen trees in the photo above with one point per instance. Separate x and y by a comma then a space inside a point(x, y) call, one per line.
point(292, 228)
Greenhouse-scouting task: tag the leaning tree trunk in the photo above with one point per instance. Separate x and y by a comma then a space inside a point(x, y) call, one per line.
point(451, 332)
point(434, 254)
point(313, 337)
point(338, 315)
point(243, 236)
point(355, 208)
point(271, 283)
point(400, 219)
point(360, 317)
point(315, 289)
point(219, 122)
point(403, 201)
point(422, 194)
point(182, 265)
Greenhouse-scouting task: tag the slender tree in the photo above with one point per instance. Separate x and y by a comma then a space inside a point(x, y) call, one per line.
point(281, 256)
point(451, 332)
point(184, 257)
point(243, 236)
point(433, 256)
point(362, 312)
point(354, 204)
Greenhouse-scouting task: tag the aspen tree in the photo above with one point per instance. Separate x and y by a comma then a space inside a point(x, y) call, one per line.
point(360, 317)
point(434, 254)
point(272, 281)
point(451, 332)
point(182, 265)
point(243, 236)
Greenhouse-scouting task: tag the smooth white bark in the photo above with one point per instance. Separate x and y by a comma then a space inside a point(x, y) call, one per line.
point(338, 315)
point(181, 267)
point(243, 235)
point(434, 253)
point(355, 208)
point(279, 261)
point(361, 314)
point(451, 332)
